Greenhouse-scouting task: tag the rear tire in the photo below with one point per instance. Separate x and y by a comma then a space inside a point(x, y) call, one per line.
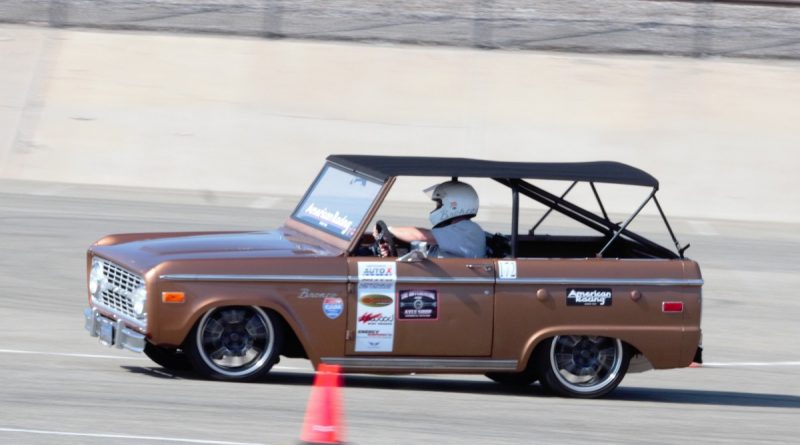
point(582, 366)
point(235, 343)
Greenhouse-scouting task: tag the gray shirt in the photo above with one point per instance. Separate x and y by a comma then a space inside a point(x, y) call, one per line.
point(464, 239)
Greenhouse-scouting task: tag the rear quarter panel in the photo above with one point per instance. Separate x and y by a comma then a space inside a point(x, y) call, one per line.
point(533, 307)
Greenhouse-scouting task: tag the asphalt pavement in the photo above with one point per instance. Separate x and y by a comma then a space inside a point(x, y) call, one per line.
point(61, 386)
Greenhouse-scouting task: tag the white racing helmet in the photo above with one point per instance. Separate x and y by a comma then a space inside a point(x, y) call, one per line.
point(453, 199)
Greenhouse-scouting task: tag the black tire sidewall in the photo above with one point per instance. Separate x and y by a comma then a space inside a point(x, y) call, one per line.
point(515, 379)
point(171, 359)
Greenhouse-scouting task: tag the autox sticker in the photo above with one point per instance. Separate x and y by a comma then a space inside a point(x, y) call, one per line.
point(377, 271)
point(588, 297)
point(418, 305)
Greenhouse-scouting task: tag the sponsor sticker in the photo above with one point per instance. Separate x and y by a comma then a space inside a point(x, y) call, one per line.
point(376, 308)
point(374, 326)
point(377, 271)
point(588, 297)
point(507, 269)
point(332, 307)
point(418, 305)
point(376, 300)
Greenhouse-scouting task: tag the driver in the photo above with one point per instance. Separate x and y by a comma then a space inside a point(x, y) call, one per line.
point(454, 234)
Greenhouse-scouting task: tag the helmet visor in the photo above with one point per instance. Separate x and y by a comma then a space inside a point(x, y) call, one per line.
point(430, 190)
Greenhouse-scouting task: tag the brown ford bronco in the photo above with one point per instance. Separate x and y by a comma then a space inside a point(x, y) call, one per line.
point(573, 312)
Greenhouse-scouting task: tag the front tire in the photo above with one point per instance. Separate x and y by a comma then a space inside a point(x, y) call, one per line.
point(171, 359)
point(236, 343)
point(515, 379)
point(582, 366)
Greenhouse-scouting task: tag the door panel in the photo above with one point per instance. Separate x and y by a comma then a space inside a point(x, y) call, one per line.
point(442, 307)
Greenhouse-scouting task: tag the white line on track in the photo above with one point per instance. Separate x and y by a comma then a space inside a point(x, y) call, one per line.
point(279, 367)
point(119, 357)
point(64, 354)
point(124, 436)
point(748, 364)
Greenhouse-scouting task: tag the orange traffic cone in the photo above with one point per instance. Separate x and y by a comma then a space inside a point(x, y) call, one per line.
point(323, 422)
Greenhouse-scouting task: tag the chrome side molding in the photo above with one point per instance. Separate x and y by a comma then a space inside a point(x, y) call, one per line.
point(256, 278)
point(443, 280)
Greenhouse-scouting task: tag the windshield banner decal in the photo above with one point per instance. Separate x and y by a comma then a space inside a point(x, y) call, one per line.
point(325, 218)
point(375, 313)
point(337, 202)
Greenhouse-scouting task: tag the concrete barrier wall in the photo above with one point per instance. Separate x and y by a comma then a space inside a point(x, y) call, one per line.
point(240, 114)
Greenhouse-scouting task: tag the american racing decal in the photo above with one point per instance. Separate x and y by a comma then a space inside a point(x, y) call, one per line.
point(332, 307)
point(588, 297)
point(375, 311)
point(325, 218)
point(507, 269)
point(418, 305)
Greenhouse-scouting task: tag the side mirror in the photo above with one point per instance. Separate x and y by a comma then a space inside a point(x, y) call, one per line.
point(418, 253)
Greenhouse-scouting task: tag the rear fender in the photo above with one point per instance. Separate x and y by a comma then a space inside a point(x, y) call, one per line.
point(660, 346)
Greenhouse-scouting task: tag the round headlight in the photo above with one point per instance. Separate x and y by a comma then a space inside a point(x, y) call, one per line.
point(138, 298)
point(97, 279)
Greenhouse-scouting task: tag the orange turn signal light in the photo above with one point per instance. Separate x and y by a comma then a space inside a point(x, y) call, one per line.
point(173, 297)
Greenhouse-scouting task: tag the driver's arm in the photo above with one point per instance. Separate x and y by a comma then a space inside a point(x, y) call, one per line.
point(410, 233)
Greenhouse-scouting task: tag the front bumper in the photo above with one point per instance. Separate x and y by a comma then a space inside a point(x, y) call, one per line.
point(112, 333)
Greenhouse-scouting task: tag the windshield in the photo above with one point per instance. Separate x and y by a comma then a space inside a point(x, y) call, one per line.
point(337, 202)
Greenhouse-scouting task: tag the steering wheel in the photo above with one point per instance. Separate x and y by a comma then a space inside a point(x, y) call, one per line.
point(385, 236)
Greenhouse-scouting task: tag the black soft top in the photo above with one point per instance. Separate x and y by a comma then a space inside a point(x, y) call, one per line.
point(383, 167)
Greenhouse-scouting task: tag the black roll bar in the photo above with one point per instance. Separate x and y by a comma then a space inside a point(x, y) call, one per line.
point(514, 220)
point(669, 228)
point(547, 213)
point(599, 201)
point(581, 215)
point(625, 224)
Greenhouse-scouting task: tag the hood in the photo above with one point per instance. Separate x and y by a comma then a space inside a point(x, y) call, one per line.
point(144, 251)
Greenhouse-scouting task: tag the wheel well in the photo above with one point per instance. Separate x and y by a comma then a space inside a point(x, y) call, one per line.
point(292, 347)
point(536, 353)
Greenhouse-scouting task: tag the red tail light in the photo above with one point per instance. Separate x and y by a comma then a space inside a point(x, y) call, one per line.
point(672, 306)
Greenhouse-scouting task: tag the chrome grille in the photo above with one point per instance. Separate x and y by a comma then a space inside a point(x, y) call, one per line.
point(116, 294)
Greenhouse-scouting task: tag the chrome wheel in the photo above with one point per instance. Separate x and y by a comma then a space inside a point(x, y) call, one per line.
point(584, 366)
point(235, 343)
